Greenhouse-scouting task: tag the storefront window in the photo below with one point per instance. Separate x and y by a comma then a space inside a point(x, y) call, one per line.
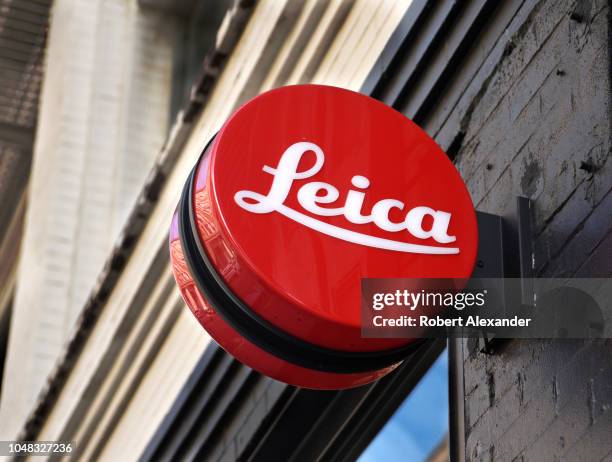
point(419, 428)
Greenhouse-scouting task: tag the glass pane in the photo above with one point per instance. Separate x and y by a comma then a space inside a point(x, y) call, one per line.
point(419, 425)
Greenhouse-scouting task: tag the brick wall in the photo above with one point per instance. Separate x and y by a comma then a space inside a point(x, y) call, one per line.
point(540, 127)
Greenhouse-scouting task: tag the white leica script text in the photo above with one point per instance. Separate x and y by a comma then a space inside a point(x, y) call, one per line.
point(314, 193)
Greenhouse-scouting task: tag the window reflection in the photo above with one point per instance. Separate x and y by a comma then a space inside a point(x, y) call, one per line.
point(419, 428)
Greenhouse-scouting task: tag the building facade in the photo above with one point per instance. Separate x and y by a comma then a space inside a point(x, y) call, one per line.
point(517, 93)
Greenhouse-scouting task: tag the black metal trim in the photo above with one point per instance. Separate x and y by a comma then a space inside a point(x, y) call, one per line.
point(456, 394)
point(258, 330)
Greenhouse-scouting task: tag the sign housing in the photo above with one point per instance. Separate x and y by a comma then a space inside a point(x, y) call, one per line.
point(303, 192)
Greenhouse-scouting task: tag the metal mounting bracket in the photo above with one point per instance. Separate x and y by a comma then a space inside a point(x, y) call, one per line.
point(505, 250)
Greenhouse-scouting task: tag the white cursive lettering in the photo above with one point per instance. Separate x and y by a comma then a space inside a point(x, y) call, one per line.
point(314, 195)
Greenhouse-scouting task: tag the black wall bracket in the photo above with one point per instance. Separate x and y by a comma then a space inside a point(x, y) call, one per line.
point(505, 250)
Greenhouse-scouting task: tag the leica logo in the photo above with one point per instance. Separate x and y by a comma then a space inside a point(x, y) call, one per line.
point(315, 195)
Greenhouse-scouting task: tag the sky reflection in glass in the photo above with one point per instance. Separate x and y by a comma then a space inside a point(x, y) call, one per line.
point(420, 422)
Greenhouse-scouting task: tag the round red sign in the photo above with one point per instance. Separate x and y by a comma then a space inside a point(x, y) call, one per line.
point(303, 192)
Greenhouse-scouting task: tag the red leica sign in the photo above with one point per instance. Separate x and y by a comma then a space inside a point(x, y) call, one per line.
point(303, 192)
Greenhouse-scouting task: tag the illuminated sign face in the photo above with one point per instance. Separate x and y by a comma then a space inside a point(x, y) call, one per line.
point(304, 191)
